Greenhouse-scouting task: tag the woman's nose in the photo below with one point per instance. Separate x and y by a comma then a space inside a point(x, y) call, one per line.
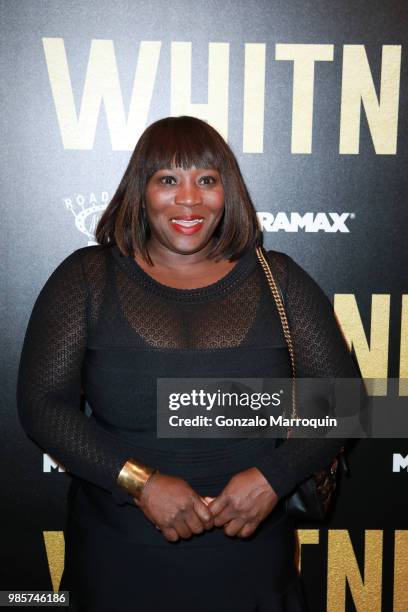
point(188, 193)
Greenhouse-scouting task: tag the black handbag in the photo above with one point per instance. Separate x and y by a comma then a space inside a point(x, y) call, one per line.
point(313, 497)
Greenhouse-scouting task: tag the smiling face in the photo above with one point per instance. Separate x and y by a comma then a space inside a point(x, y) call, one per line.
point(184, 207)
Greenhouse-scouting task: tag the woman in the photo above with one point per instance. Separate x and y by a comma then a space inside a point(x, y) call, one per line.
point(174, 289)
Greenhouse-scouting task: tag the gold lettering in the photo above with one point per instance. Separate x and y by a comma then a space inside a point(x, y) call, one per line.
point(101, 83)
point(305, 536)
point(400, 571)
point(342, 567)
point(373, 358)
point(403, 371)
point(254, 98)
point(216, 110)
point(304, 58)
point(55, 547)
point(358, 87)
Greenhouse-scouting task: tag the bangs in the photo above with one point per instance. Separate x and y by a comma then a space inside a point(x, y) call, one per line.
point(181, 142)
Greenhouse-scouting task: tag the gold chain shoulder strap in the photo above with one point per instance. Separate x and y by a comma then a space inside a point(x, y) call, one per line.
point(284, 321)
point(322, 474)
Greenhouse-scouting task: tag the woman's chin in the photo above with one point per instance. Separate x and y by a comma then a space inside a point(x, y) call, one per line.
point(187, 244)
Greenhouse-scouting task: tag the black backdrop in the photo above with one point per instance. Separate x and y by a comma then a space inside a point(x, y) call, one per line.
point(81, 80)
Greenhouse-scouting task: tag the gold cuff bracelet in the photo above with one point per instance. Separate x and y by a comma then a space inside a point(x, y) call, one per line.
point(133, 477)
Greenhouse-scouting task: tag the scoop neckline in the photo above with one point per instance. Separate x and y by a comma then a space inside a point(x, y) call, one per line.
point(242, 266)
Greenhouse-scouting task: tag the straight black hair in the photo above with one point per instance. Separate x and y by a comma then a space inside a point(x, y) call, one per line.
point(185, 142)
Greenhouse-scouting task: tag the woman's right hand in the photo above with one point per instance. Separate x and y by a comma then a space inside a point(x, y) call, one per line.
point(174, 507)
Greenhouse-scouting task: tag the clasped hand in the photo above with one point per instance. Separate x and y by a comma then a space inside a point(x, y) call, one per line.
point(179, 512)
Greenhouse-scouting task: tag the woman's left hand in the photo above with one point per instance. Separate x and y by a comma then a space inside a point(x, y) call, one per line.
point(243, 504)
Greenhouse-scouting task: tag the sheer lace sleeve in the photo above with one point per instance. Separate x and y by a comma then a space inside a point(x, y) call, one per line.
point(320, 351)
point(49, 383)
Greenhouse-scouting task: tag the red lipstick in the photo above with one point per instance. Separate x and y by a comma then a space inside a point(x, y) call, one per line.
point(187, 224)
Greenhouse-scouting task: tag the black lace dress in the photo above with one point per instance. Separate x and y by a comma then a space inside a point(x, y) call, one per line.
point(104, 327)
